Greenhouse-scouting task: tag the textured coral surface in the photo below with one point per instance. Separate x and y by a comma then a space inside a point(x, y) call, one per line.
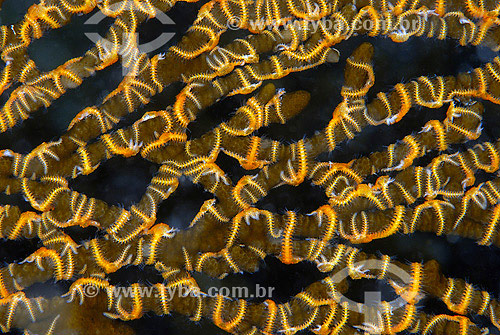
point(324, 149)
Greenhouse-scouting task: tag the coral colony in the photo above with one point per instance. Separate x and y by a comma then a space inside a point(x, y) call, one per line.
point(230, 234)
